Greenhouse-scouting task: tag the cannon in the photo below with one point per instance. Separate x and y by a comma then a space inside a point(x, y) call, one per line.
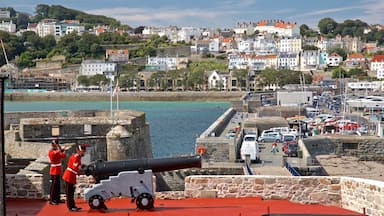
point(130, 178)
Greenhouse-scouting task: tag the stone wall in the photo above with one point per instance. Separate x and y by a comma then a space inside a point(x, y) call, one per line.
point(125, 96)
point(363, 193)
point(308, 190)
point(350, 193)
point(28, 186)
point(367, 148)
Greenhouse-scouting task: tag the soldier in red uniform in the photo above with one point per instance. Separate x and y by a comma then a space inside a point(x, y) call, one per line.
point(73, 169)
point(56, 154)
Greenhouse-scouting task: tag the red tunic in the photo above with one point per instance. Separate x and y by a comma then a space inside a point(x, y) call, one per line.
point(55, 156)
point(73, 168)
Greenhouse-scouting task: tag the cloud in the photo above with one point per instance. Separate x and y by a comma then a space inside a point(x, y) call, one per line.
point(372, 10)
point(161, 16)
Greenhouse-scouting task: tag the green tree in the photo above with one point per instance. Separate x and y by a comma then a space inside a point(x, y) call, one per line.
point(25, 60)
point(99, 80)
point(339, 51)
point(327, 26)
point(83, 80)
point(339, 72)
point(241, 77)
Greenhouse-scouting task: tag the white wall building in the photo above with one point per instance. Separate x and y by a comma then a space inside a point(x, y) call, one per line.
point(288, 61)
point(214, 45)
point(334, 59)
point(8, 26)
point(48, 27)
point(245, 46)
point(264, 46)
point(377, 62)
point(218, 81)
point(289, 44)
point(93, 67)
point(187, 33)
point(309, 60)
point(278, 27)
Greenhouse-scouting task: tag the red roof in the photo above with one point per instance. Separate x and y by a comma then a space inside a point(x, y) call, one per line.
point(355, 56)
point(378, 58)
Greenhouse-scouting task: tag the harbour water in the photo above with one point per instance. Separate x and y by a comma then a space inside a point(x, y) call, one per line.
point(173, 125)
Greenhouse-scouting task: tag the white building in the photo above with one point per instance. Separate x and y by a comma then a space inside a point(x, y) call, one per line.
point(5, 14)
point(245, 46)
point(377, 62)
point(188, 33)
point(334, 59)
point(48, 27)
point(288, 61)
point(214, 45)
point(264, 46)
point(251, 61)
point(217, 80)
point(278, 27)
point(309, 60)
point(8, 26)
point(380, 73)
point(93, 67)
point(291, 44)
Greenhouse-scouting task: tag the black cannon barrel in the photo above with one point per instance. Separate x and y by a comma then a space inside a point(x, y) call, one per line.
point(109, 168)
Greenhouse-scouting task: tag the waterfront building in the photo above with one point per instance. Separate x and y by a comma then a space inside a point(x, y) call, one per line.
point(166, 63)
point(92, 67)
point(218, 80)
point(8, 26)
point(294, 98)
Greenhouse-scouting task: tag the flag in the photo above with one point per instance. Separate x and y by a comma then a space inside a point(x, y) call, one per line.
point(116, 89)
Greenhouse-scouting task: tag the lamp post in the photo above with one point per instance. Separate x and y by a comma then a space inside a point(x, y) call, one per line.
point(2, 153)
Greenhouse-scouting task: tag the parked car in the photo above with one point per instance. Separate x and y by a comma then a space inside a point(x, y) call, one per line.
point(250, 147)
point(289, 138)
point(270, 137)
point(292, 150)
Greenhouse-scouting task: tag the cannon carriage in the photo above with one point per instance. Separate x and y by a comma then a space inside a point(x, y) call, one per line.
point(130, 178)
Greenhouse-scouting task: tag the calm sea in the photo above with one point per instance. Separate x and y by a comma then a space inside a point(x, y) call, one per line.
point(173, 125)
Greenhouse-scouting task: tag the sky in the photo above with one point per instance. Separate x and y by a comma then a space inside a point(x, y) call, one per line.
point(216, 13)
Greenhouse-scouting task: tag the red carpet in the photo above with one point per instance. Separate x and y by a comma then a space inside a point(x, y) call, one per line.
point(219, 206)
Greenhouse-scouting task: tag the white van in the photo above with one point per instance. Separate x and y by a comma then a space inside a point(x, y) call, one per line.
point(250, 147)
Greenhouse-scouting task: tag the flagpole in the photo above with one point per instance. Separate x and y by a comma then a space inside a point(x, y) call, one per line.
point(117, 98)
point(111, 99)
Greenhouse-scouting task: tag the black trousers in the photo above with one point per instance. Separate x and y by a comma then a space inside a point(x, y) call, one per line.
point(70, 193)
point(54, 194)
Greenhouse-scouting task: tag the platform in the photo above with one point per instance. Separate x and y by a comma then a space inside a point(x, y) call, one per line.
point(200, 206)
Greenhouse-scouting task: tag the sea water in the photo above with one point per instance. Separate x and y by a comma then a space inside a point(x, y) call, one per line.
point(174, 126)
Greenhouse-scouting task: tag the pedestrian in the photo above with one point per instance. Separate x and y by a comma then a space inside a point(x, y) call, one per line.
point(274, 148)
point(55, 154)
point(73, 169)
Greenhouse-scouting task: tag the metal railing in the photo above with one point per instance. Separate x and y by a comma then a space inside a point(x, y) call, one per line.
point(292, 170)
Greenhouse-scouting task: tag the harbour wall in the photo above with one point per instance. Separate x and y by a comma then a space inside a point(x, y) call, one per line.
point(366, 148)
point(350, 193)
point(124, 96)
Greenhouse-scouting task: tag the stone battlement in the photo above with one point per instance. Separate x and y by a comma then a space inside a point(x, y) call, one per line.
point(350, 193)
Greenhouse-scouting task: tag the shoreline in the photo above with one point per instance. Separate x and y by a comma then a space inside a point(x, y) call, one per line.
point(125, 96)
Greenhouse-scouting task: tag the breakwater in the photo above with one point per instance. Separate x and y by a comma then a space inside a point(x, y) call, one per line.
point(124, 96)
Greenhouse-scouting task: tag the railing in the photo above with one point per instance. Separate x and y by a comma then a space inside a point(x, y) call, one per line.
point(292, 170)
point(247, 168)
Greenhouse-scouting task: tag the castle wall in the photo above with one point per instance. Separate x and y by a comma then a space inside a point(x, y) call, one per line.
point(350, 193)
